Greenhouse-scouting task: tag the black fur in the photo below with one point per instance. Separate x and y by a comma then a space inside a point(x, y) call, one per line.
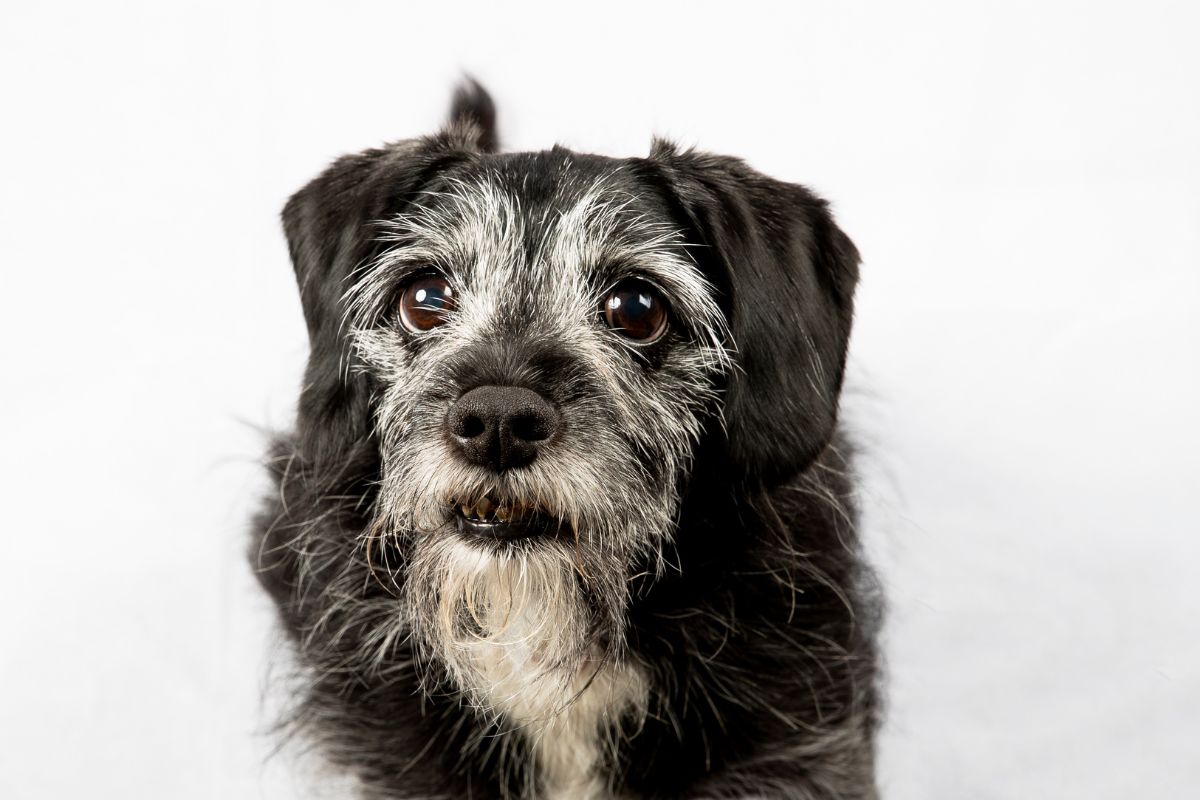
point(759, 641)
point(473, 106)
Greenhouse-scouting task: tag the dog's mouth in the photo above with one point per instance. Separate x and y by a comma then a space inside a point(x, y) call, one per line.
point(495, 518)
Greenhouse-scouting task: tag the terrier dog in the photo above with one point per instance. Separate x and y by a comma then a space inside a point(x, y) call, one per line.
point(566, 512)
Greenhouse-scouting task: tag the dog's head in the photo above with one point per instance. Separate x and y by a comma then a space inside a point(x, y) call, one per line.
point(536, 346)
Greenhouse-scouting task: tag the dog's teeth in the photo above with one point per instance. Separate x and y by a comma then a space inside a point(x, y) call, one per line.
point(503, 513)
point(466, 511)
point(483, 508)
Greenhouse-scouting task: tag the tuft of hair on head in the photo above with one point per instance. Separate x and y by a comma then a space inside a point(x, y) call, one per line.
point(472, 110)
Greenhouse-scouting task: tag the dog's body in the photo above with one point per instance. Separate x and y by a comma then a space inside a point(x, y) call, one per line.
point(566, 514)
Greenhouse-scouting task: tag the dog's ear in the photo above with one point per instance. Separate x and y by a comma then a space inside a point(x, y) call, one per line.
point(789, 273)
point(332, 230)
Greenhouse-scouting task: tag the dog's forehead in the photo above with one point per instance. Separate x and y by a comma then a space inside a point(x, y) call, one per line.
point(557, 210)
point(557, 181)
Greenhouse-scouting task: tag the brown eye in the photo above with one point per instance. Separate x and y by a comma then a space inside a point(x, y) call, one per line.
point(637, 311)
point(425, 302)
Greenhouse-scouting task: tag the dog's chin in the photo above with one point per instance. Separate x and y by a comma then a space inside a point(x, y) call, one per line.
point(497, 610)
point(512, 590)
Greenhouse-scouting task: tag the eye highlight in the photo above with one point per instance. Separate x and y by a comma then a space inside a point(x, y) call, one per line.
point(425, 301)
point(636, 310)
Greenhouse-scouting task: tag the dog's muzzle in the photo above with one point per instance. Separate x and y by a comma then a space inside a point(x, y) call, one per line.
point(501, 428)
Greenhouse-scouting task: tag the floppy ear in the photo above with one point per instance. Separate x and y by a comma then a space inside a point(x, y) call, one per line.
point(790, 275)
point(331, 227)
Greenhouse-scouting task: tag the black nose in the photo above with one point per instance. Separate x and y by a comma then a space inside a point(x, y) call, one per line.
point(501, 426)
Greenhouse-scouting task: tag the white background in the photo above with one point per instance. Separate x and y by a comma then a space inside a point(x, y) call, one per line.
point(1023, 180)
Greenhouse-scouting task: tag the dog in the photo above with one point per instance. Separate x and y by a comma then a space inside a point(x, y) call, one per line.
point(567, 511)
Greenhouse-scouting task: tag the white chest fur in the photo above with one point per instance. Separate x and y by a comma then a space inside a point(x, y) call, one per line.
point(513, 632)
point(570, 716)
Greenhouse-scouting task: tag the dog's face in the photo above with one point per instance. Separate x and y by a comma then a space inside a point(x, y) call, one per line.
point(535, 348)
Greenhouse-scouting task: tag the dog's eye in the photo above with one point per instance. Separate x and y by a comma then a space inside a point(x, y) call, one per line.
point(636, 310)
point(425, 302)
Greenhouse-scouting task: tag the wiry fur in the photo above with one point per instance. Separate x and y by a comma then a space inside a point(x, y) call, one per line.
point(701, 626)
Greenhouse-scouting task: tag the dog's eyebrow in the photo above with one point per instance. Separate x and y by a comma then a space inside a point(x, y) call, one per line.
point(440, 235)
point(605, 231)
